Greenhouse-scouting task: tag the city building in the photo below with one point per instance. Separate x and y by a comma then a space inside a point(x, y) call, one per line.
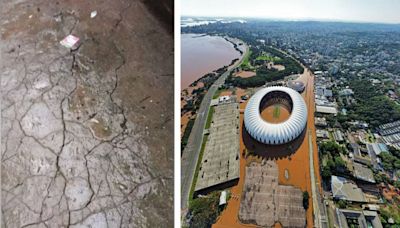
point(362, 219)
point(324, 134)
point(296, 85)
point(326, 110)
point(320, 121)
point(362, 172)
point(390, 133)
point(344, 189)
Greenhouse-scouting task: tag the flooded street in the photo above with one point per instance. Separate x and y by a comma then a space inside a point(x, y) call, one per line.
point(86, 133)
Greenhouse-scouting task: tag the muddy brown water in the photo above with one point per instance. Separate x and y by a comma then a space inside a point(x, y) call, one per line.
point(202, 54)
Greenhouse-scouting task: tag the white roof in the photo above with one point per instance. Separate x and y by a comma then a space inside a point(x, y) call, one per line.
point(222, 198)
point(275, 133)
point(326, 109)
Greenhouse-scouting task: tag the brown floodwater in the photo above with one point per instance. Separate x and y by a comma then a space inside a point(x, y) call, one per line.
point(201, 54)
point(269, 113)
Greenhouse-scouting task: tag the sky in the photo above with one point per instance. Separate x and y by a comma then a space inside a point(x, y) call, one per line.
point(378, 11)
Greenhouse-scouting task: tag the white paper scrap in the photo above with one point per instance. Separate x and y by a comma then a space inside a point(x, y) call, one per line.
point(69, 41)
point(93, 14)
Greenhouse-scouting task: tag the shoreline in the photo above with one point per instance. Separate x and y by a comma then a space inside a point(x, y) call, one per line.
point(192, 141)
point(228, 39)
point(185, 117)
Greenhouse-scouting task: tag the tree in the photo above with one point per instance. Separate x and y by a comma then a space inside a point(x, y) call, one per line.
point(342, 204)
point(205, 210)
point(332, 148)
point(306, 198)
point(326, 172)
point(339, 163)
point(397, 184)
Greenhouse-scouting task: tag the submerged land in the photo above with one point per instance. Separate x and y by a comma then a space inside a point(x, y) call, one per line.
point(345, 142)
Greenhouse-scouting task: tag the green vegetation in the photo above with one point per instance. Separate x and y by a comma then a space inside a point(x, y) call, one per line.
point(186, 134)
point(196, 173)
point(209, 117)
point(208, 79)
point(390, 211)
point(246, 61)
point(277, 111)
point(332, 161)
point(389, 162)
point(268, 58)
point(342, 204)
point(390, 159)
point(332, 148)
point(205, 210)
point(263, 74)
point(382, 178)
point(306, 198)
point(370, 104)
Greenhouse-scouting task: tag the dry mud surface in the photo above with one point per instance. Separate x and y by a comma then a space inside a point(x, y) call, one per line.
point(86, 134)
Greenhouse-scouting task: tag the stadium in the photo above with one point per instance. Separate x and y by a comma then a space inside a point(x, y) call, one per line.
point(275, 133)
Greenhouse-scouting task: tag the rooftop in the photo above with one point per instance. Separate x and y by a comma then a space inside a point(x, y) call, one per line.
point(326, 109)
point(220, 162)
point(364, 219)
point(362, 172)
point(265, 201)
point(346, 190)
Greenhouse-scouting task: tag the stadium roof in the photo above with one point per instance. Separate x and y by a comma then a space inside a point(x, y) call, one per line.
point(275, 133)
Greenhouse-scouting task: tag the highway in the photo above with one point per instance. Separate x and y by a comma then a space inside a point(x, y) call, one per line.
point(192, 150)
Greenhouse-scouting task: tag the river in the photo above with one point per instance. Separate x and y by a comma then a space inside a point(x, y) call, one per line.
point(201, 54)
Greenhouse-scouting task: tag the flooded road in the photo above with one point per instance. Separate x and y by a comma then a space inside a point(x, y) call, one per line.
point(201, 54)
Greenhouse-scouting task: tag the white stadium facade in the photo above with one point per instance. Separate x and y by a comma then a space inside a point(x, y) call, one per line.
point(275, 133)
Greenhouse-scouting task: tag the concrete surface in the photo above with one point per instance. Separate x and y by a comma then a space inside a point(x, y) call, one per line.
point(86, 134)
point(345, 189)
point(265, 202)
point(220, 162)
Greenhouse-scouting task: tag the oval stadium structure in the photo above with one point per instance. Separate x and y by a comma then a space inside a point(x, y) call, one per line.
point(275, 133)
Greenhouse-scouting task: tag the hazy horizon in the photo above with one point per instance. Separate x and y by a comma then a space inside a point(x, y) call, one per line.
point(357, 11)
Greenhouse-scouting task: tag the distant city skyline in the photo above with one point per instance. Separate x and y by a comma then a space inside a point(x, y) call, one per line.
point(384, 11)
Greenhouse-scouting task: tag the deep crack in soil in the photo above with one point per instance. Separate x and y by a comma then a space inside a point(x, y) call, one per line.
point(86, 134)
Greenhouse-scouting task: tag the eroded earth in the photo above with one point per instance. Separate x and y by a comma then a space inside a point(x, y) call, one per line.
point(86, 133)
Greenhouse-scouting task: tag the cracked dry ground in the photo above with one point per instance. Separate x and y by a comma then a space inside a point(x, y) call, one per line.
point(86, 135)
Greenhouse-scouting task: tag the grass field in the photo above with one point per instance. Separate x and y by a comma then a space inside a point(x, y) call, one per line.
point(277, 111)
point(196, 173)
point(268, 58)
point(209, 117)
point(245, 63)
